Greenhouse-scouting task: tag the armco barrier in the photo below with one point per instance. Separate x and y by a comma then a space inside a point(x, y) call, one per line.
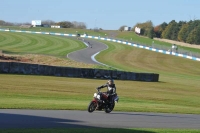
point(108, 39)
point(36, 69)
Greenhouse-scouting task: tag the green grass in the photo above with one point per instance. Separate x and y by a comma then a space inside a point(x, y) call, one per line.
point(98, 130)
point(139, 60)
point(59, 30)
point(131, 36)
point(40, 44)
point(41, 92)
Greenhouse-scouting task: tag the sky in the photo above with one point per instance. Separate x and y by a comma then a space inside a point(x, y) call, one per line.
point(105, 14)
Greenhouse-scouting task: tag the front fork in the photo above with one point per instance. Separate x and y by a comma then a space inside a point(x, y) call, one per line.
point(95, 102)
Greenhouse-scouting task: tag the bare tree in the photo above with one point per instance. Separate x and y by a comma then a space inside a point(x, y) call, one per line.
point(2, 22)
point(48, 22)
point(122, 28)
point(65, 24)
point(79, 25)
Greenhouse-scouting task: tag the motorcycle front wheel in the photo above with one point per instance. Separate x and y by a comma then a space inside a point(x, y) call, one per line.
point(92, 106)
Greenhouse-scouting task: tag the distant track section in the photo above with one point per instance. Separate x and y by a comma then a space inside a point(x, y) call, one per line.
point(85, 55)
point(113, 40)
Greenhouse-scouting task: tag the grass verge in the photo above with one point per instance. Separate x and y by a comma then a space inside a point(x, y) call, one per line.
point(43, 92)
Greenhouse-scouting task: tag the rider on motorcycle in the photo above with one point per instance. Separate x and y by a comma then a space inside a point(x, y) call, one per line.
point(111, 89)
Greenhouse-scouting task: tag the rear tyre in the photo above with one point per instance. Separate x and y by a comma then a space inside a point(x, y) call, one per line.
point(92, 106)
point(109, 107)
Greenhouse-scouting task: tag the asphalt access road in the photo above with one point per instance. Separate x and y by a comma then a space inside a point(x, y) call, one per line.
point(13, 118)
point(85, 55)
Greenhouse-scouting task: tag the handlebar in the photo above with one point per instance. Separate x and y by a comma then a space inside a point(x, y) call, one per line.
point(97, 89)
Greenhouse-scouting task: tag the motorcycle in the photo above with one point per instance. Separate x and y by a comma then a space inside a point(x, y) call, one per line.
point(101, 99)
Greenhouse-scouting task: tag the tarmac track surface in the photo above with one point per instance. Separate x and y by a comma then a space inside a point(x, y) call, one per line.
point(13, 118)
point(85, 55)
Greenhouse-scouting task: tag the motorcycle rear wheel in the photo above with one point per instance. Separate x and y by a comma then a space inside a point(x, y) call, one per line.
point(109, 108)
point(92, 106)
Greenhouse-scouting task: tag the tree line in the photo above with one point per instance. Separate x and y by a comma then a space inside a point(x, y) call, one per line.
point(66, 24)
point(63, 24)
point(188, 32)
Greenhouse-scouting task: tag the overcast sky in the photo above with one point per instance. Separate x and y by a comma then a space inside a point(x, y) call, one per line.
point(105, 14)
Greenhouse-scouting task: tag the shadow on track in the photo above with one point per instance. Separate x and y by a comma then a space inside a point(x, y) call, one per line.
point(26, 123)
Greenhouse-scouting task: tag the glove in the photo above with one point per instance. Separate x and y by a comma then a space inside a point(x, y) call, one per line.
point(98, 88)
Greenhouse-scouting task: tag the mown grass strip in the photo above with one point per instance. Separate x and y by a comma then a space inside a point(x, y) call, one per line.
point(39, 44)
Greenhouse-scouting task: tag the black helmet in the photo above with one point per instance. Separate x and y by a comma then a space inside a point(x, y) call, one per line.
point(110, 81)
